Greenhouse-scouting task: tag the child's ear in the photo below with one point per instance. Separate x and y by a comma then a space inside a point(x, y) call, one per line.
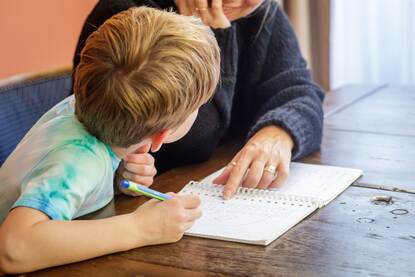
point(158, 139)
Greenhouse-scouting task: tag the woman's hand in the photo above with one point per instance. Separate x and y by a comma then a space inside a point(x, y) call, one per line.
point(264, 162)
point(137, 167)
point(212, 15)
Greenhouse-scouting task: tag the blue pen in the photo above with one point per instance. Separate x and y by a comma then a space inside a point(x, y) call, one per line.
point(144, 190)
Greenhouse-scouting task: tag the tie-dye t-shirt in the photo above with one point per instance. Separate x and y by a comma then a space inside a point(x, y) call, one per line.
point(58, 168)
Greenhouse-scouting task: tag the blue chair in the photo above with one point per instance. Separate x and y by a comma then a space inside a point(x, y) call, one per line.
point(24, 101)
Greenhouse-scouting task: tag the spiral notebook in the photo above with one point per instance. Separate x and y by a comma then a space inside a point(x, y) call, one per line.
point(258, 216)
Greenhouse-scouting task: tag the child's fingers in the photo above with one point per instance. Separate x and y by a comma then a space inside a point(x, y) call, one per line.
point(172, 194)
point(150, 202)
point(189, 201)
point(139, 169)
point(145, 158)
point(188, 225)
point(193, 214)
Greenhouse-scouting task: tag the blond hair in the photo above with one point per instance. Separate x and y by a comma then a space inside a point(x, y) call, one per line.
point(143, 71)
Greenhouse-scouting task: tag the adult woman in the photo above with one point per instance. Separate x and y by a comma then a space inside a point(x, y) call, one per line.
point(266, 93)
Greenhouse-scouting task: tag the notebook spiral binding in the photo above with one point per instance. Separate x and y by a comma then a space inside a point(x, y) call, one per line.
point(258, 194)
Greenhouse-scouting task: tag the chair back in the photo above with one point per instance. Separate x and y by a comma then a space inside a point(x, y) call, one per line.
point(24, 101)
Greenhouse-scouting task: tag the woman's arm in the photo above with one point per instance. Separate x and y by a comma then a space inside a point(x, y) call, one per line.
point(285, 95)
point(277, 95)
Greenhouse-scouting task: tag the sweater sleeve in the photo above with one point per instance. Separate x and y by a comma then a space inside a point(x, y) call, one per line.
point(285, 94)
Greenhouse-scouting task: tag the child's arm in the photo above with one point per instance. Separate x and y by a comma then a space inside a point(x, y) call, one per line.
point(29, 240)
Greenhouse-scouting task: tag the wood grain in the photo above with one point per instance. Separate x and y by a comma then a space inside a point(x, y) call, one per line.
point(387, 161)
point(350, 236)
point(389, 111)
point(366, 127)
point(346, 96)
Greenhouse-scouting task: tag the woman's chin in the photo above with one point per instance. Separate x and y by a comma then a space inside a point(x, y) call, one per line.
point(236, 13)
point(231, 15)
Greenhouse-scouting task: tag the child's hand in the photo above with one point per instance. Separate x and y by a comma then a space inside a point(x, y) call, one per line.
point(165, 221)
point(138, 167)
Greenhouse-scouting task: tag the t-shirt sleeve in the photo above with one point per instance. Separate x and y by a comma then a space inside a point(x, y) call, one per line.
point(60, 183)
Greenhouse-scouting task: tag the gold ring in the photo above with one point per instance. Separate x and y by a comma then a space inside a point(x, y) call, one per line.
point(232, 163)
point(271, 169)
point(200, 9)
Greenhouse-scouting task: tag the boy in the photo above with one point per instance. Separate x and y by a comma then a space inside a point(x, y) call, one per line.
point(142, 77)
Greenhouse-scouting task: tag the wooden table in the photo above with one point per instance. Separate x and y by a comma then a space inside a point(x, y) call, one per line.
point(367, 127)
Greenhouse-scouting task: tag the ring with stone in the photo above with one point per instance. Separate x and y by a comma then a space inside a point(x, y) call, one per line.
point(271, 169)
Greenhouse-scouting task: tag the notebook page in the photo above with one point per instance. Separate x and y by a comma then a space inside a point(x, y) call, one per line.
point(317, 181)
point(244, 218)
